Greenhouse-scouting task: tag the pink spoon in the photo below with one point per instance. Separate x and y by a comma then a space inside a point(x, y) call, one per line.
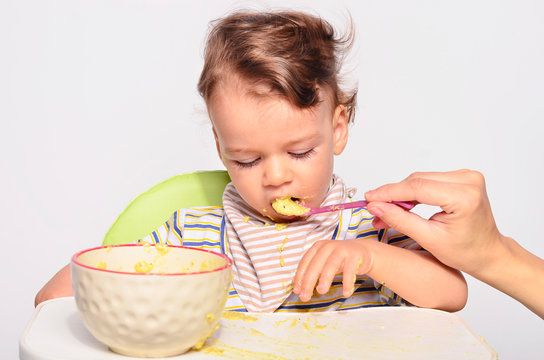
point(355, 204)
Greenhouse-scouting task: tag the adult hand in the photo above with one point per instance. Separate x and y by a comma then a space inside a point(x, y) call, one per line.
point(464, 234)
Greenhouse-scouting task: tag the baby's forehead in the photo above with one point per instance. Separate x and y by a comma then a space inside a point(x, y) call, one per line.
point(231, 85)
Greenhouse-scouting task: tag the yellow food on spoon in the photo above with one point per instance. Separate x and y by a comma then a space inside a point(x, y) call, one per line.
point(287, 206)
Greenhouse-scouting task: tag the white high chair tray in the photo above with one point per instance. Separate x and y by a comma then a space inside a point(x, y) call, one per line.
point(56, 332)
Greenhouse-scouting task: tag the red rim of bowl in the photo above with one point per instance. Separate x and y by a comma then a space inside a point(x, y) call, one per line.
point(76, 261)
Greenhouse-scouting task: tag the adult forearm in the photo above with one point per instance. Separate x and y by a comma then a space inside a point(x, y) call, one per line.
point(516, 272)
point(418, 277)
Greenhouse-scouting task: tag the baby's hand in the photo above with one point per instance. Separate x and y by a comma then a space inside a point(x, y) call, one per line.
point(326, 258)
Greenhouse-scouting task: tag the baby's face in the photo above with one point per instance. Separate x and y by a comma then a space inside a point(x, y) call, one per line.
point(272, 148)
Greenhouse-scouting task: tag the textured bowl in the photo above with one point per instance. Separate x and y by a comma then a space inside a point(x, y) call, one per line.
point(160, 313)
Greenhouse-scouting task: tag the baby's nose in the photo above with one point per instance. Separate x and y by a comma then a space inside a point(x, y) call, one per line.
point(277, 172)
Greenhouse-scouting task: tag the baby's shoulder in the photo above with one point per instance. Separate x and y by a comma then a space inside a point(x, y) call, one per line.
point(213, 214)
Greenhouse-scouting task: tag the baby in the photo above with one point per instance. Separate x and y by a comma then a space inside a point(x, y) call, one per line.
point(279, 116)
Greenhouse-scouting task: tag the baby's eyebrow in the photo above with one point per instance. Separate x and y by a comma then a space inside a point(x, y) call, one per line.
point(303, 141)
point(234, 150)
point(305, 138)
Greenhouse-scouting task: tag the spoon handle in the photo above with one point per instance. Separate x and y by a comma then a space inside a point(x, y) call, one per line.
point(355, 204)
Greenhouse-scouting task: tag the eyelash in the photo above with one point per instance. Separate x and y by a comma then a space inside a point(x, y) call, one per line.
point(297, 156)
point(247, 165)
point(303, 155)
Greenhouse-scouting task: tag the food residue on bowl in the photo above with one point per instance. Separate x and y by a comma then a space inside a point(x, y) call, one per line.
point(147, 247)
point(162, 248)
point(210, 317)
point(208, 265)
point(156, 261)
point(287, 206)
point(143, 266)
point(203, 339)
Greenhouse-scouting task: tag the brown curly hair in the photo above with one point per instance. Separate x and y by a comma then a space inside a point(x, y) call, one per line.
point(290, 53)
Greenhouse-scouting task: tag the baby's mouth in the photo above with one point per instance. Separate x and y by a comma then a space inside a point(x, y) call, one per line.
point(289, 206)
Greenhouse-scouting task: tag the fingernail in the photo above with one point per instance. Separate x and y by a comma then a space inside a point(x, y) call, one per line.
point(369, 193)
point(375, 209)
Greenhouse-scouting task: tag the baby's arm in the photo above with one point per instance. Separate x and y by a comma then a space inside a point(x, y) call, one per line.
point(59, 285)
point(415, 275)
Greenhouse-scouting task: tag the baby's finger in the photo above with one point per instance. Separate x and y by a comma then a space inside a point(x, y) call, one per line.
point(350, 275)
point(313, 272)
point(332, 265)
point(303, 265)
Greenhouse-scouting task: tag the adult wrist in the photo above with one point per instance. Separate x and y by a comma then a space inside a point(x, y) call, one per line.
point(496, 260)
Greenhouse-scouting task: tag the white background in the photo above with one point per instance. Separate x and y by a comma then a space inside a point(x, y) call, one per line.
point(98, 102)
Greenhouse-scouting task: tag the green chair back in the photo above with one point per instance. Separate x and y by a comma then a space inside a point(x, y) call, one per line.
point(155, 206)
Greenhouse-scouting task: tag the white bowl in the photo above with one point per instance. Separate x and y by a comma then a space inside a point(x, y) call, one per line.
point(160, 313)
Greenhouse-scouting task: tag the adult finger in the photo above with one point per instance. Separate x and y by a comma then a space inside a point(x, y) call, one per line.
point(403, 221)
point(426, 191)
point(379, 223)
point(463, 176)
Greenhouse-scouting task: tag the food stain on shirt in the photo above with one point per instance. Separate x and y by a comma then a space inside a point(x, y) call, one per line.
point(280, 247)
point(281, 226)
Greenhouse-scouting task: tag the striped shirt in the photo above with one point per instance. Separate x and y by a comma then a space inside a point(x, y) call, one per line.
point(204, 228)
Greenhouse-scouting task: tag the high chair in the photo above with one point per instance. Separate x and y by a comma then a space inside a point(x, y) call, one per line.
point(56, 330)
point(154, 207)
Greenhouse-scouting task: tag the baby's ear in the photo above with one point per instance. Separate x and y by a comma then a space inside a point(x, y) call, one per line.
point(340, 129)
